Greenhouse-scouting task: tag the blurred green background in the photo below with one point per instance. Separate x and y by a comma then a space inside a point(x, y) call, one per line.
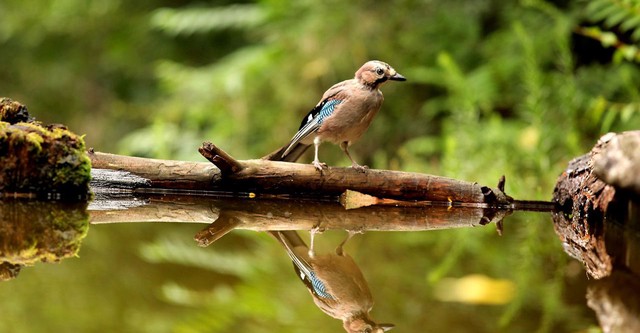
point(513, 88)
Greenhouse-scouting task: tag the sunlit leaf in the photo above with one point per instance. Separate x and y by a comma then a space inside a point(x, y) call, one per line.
point(202, 20)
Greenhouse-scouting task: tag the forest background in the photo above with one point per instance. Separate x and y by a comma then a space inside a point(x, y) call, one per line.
point(515, 88)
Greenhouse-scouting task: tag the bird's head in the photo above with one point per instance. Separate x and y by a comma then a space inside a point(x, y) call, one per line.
point(374, 73)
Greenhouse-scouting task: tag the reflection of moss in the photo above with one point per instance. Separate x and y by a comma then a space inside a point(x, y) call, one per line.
point(37, 159)
point(38, 231)
point(8, 271)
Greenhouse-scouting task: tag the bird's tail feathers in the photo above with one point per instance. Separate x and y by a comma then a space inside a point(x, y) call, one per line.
point(293, 155)
point(289, 238)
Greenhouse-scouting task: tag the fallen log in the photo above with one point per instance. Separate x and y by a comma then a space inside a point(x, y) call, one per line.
point(261, 177)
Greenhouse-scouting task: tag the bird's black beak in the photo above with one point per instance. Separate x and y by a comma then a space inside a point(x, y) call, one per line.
point(397, 77)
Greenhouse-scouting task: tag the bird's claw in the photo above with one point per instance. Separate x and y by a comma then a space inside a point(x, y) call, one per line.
point(356, 231)
point(359, 168)
point(315, 230)
point(319, 165)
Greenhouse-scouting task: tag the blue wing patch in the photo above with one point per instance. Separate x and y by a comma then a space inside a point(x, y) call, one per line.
point(318, 287)
point(313, 283)
point(313, 120)
point(320, 112)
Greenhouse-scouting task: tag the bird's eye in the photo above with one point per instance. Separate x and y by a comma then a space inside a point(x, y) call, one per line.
point(379, 71)
point(368, 329)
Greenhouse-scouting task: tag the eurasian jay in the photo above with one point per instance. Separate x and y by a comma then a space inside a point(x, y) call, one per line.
point(343, 114)
point(334, 281)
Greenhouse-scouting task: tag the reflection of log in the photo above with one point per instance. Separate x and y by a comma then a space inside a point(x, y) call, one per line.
point(260, 215)
point(293, 214)
point(615, 301)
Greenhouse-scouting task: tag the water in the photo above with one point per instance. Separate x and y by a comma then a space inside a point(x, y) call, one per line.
point(428, 269)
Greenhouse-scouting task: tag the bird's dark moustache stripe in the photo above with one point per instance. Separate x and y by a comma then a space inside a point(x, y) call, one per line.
point(380, 80)
point(377, 82)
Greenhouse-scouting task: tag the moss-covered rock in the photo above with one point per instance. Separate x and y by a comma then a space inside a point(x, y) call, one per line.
point(40, 159)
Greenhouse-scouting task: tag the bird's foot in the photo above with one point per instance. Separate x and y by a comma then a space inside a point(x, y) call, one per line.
point(319, 165)
point(351, 233)
point(315, 230)
point(359, 168)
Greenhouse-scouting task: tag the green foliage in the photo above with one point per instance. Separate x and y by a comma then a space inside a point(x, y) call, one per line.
point(621, 18)
point(623, 14)
point(203, 20)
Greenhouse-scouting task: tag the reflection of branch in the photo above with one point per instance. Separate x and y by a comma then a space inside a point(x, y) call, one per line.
point(262, 214)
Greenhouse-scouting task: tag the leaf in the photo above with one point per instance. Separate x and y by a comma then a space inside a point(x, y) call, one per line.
point(630, 24)
point(636, 35)
point(629, 52)
point(627, 112)
point(596, 6)
point(607, 122)
point(605, 13)
point(608, 39)
point(201, 20)
point(615, 18)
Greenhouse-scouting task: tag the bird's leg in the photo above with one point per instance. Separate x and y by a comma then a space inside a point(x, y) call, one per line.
point(345, 148)
point(316, 162)
point(340, 248)
point(315, 230)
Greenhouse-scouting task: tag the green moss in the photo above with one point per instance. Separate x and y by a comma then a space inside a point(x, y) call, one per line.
point(38, 159)
point(35, 140)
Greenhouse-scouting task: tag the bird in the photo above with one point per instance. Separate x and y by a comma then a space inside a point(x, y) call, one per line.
point(343, 114)
point(334, 281)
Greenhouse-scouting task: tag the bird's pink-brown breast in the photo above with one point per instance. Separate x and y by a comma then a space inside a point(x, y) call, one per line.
point(353, 116)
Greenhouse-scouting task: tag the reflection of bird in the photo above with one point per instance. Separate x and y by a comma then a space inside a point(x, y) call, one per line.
point(335, 282)
point(343, 114)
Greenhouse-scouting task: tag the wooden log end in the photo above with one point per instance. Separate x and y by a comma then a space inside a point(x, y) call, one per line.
point(354, 199)
point(225, 162)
